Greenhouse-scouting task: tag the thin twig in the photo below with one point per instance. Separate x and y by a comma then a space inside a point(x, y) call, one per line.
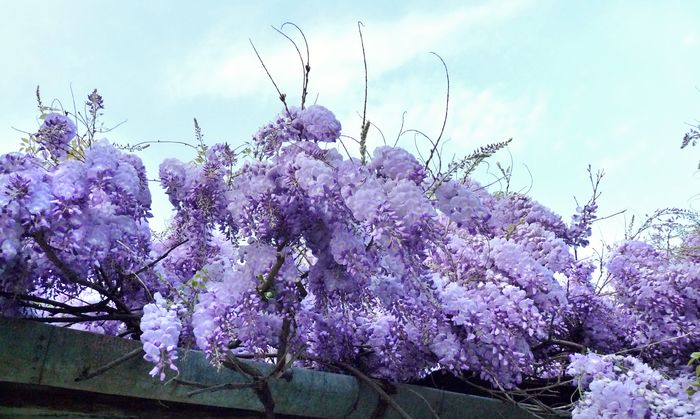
point(78, 319)
point(282, 96)
point(376, 387)
point(380, 132)
point(58, 263)
point(447, 107)
point(403, 121)
point(102, 305)
point(219, 387)
point(561, 342)
point(364, 128)
point(362, 377)
point(142, 145)
point(307, 66)
point(427, 403)
point(246, 369)
point(87, 374)
point(189, 383)
point(282, 361)
point(648, 345)
point(609, 216)
point(158, 259)
point(74, 277)
point(303, 65)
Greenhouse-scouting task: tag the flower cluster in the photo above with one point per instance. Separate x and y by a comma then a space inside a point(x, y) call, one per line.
point(663, 295)
point(198, 194)
point(161, 332)
point(55, 134)
point(75, 226)
point(373, 256)
point(619, 386)
point(314, 123)
point(581, 222)
point(382, 266)
point(317, 123)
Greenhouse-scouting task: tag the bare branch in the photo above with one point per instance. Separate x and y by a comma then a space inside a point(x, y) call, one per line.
point(158, 259)
point(282, 96)
point(305, 68)
point(447, 107)
point(364, 128)
point(219, 387)
point(88, 374)
point(80, 319)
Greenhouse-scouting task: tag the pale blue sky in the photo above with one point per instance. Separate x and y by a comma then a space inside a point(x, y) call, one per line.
point(610, 83)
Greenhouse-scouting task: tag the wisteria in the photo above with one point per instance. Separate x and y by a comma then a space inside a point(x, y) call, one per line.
point(620, 386)
point(299, 253)
point(75, 223)
point(662, 294)
point(55, 134)
point(315, 123)
point(161, 332)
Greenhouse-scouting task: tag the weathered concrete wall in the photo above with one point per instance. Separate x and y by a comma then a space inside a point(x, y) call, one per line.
point(39, 365)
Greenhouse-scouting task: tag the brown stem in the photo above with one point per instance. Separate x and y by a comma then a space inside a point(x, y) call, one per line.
point(447, 107)
point(87, 374)
point(234, 363)
point(219, 387)
point(561, 342)
point(101, 306)
point(157, 260)
point(364, 378)
point(364, 128)
point(282, 96)
point(376, 387)
point(282, 353)
point(40, 239)
point(121, 317)
point(259, 384)
point(69, 273)
point(267, 284)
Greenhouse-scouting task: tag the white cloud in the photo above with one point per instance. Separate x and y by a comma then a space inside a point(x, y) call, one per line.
point(216, 68)
point(403, 77)
point(690, 40)
point(476, 116)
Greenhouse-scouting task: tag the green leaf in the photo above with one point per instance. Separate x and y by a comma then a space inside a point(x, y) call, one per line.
point(694, 357)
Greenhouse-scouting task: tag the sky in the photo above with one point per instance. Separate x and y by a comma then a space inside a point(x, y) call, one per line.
point(613, 84)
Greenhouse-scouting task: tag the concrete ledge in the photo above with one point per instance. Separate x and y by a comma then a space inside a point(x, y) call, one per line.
point(41, 359)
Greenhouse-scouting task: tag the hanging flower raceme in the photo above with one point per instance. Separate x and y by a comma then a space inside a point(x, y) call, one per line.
point(662, 294)
point(161, 331)
point(55, 134)
point(617, 386)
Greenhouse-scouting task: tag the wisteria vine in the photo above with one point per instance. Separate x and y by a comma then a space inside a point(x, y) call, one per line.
point(319, 259)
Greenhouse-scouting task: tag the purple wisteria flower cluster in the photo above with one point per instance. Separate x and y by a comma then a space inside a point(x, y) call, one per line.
point(315, 123)
point(55, 134)
point(324, 260)
point(78, 226)
point(620, 386)
point(662, 294)
point(161, 332)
